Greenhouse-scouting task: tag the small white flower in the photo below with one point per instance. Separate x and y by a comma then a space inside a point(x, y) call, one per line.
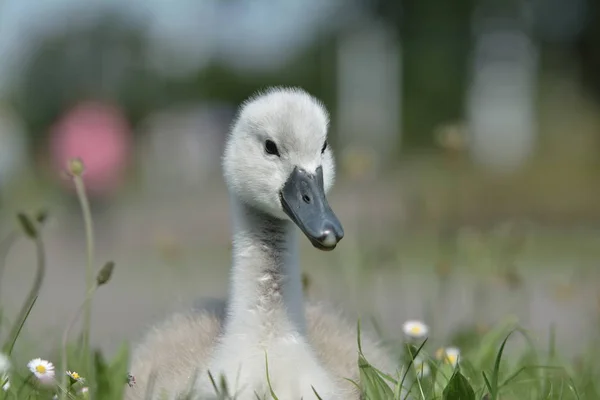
point(415, 329)
point(4, 369)
point(4, 364)
point(449, 355)
point(75, 376)
point(84, 392)
point(421, 367)
point(42, 369)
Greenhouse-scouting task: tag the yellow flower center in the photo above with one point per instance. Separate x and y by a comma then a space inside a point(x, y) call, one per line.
point(415, 330)
point(451, 358)
point(75, 375)
point(40, 369)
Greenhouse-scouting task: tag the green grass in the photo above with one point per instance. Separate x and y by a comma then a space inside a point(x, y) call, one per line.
point(483, 371)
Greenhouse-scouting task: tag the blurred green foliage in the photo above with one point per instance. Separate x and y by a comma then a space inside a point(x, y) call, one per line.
point(74, 62)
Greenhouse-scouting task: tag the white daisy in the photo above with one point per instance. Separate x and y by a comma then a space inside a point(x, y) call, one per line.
point(4, 364)
point(42, 369)
point(75, 376)
point(449, 355)
point(422, 367)
point(415, 329)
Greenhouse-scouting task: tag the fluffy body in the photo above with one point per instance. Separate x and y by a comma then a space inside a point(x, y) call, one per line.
point(186, 341)
point(306, 346)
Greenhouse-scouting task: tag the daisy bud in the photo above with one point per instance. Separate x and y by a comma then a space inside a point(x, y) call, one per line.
point(76, 167)
point(105, 273)
point(27, 225)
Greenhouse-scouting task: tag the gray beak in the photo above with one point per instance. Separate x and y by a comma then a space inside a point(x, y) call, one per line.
point(303, 200)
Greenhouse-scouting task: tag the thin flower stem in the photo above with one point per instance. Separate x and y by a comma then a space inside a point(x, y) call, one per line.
point(65, 338)
point(31, 297)
point(5, 246)
point(89, 236)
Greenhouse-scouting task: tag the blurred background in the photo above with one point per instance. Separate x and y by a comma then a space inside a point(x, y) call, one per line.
point(466, 134)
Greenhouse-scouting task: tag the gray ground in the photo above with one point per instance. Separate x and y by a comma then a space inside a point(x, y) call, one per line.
point(171, 252)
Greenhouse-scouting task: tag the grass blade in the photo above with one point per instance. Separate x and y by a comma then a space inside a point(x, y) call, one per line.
point(19, 327)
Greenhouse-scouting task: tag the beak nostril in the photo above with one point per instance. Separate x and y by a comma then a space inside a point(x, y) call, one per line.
point(306, 199)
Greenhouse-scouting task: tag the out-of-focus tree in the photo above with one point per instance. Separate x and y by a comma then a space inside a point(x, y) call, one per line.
point(313, 69)
point(107, 60)
point(436, 41)
point(588, 48)
point(103, 60)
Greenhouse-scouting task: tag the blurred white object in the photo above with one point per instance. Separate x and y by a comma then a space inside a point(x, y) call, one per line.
point(182, 146)
point(12, 145)
point(369, 89)
point(500, 99)
point(415, 329)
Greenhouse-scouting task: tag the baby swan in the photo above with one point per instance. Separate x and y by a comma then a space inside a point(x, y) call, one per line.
point(278, 169)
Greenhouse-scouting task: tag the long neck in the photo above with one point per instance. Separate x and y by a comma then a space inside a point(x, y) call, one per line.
point(266, 286)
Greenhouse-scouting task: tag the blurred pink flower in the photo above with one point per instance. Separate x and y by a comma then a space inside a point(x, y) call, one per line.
point(99, 135)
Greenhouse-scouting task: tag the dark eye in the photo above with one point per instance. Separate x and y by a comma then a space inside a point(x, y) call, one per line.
point(324, 147)
point(271, 148)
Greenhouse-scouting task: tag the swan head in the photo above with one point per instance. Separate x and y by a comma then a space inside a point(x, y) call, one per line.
point(277, 160)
